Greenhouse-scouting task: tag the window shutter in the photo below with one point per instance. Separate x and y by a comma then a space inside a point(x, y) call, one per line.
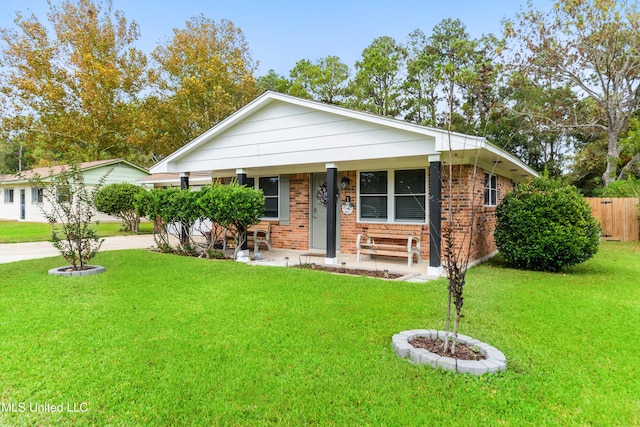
point(284, 199)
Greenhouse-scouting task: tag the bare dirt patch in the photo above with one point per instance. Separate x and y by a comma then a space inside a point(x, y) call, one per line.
point(463, 352)
point(351, 271)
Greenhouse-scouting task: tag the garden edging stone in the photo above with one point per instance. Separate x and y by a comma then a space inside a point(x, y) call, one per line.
point(495, 360)
point(64, 271)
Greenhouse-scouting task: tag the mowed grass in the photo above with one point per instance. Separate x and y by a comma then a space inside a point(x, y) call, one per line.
point(18, 232)
point(167, 340)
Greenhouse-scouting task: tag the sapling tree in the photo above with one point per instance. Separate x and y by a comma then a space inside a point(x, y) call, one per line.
point(459, 233)
point(459, 64)
point(68, 206)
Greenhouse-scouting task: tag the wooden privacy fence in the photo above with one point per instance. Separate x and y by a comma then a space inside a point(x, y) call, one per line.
point(618, 216)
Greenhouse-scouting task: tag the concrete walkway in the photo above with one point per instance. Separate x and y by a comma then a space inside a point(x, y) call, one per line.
point(10, 252)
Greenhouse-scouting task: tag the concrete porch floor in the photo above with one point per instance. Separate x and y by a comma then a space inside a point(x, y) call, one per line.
point(278, 257)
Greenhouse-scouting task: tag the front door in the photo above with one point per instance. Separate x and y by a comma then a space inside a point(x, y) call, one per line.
point(319, 213)
point(23, 204)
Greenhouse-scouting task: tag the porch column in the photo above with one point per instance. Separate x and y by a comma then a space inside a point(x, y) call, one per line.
point(244, 248)
point(435, 216)
point(241, 176)
point(184, 180)
point(184, 185)
point(332, 200)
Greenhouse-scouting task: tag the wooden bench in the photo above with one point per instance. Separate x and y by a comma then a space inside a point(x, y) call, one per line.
point(400, 243)
point(259, 233)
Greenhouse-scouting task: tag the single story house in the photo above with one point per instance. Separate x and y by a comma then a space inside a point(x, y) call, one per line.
point(330, 173)
point(22, 200)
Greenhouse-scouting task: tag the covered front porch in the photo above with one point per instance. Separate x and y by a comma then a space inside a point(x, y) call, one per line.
point(329, 174)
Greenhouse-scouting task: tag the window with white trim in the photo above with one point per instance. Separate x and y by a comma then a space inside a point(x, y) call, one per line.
point(410, 195)
point(270, 188)
point(490, 189)
point(8, 195)
point(373, 196)
point(37, 195)
point(64, 195)
point(400, 192)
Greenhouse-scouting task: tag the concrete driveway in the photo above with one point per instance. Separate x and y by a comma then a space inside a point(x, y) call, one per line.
point(10, 252)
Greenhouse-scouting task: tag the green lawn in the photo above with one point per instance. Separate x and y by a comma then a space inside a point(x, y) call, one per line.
point(166, 340)
point(16, 232)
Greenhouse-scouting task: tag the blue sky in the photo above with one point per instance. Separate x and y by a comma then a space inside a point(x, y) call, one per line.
point(280, 33)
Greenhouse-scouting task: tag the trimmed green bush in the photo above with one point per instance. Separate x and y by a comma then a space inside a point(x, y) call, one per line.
point(119, 200)
point(629, 187)
point(546, 226)
point(174, 212)
point(234, 207)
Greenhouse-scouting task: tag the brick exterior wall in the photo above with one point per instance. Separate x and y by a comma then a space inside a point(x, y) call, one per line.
point(296, 235)
point(467, 206)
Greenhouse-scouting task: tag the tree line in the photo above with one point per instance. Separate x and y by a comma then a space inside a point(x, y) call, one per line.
point(559, 88)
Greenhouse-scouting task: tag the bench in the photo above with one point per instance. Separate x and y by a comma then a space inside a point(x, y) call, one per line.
point(259, 233)
point(400, 243)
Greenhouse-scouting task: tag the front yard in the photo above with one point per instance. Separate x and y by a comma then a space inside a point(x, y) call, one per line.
point(18, 232)
point(166, 340)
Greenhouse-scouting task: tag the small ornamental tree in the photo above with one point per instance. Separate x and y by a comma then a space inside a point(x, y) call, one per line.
point(234, 207)
point(546, 226)
point(68, 206)
point(174, 212)
point(118, 200)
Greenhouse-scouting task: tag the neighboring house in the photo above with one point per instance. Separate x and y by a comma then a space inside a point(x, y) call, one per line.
point(21, 200)
point(383, 174)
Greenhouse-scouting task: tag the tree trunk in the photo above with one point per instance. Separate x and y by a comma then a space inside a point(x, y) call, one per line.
point(613, 155)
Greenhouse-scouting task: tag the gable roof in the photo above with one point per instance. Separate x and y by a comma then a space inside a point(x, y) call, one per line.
point(442, 142)
point(50, 171)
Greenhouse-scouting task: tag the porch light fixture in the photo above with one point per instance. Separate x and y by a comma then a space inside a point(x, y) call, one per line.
point(344, 183)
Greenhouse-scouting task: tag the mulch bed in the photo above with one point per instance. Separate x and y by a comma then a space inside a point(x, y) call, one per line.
point(463, 352)
point(351, 271)
point(71, 268)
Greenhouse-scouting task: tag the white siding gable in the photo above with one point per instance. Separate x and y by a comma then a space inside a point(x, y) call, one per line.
point(281, 134)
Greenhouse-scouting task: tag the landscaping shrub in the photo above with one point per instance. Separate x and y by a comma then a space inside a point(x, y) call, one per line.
point(545, 226)
point(174, 211)
point(629, 187)
point(234, 207)
point(119, 200)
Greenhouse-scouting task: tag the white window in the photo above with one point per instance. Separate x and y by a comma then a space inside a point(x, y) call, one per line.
point(373, 196)
point(393, 196)
point(36, 195)
point(8, 195)
point(269, 186)
point(490, 189)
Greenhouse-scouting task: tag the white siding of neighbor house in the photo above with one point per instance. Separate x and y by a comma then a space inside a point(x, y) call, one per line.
point(10, 210)
point(283, 134)
point(121, 172)
point(33, 212)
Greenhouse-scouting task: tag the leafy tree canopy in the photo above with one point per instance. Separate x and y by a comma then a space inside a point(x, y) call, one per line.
point(69, 84)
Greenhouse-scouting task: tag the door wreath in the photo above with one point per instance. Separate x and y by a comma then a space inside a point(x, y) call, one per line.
point(321, 194)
